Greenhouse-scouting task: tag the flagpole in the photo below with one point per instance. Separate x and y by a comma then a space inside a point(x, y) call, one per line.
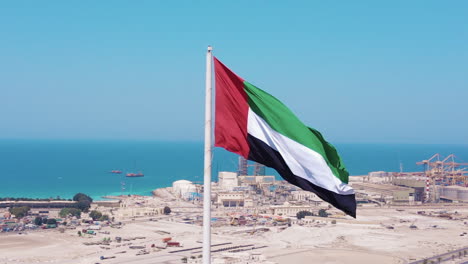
point(207, 170)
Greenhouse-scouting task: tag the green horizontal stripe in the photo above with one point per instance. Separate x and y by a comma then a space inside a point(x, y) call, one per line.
point(282, 120)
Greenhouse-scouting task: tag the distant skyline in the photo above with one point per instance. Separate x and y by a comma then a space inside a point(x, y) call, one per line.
point(358, 71)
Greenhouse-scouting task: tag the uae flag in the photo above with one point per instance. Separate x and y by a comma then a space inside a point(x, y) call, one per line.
point(257, 126)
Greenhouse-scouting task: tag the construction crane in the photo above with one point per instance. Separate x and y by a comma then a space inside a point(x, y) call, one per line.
point(259, 169)
point(445, 171)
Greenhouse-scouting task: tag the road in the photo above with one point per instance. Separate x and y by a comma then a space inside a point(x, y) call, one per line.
point(451, 255)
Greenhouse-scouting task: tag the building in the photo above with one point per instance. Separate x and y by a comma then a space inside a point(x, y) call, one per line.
point(183, 189)
point(227, 181)
point(291, 210)
point(39, 204)
point(125, 211)
point(302, 196)
point(453, 193)
point(247, 180)
point(45, 212)
point(109, 203)
point(378, 174)
point(417, 184)
point(232, 199)
point(385, 192)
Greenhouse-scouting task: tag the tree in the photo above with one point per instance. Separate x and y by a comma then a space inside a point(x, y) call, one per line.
point(104, 217)
point(83, 205)
point(167, 210)
point(19, 212)
point(38, 220)
point(70, 211)
point(95, 215)
point(323, 213)
point(82, 197)
point(302, 214)
point(83, 201)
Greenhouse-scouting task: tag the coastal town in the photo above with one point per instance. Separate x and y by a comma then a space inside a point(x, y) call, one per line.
point(234, 132)
point(402, 218)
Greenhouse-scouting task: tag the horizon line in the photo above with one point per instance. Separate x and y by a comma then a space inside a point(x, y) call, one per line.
point(201, 141)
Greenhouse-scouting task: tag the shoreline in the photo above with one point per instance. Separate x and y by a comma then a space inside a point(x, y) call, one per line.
point(95, 197)
point(102, 197)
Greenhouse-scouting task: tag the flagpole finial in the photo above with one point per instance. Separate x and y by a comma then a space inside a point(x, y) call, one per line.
point(210, 48)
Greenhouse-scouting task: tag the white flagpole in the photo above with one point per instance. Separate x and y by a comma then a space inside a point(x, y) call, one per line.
point(207, 170)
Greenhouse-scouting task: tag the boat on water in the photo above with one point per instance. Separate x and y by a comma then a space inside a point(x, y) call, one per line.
point(116, 171)
point(131, 174)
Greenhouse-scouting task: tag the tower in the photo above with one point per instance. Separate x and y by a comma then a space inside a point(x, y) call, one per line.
point(259, 169)
point(242, 166)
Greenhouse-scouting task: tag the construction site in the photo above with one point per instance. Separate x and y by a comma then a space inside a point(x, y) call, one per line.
point(441, 180)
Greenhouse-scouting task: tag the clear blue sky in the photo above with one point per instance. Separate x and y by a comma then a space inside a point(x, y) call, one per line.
point(359, 71)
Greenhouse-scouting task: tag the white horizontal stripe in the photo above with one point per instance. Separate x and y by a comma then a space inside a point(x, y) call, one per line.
point(303, 161)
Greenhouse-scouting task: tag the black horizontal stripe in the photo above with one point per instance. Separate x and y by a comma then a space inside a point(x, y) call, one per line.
point(262, 153)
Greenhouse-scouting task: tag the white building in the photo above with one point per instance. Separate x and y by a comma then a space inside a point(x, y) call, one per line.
point(227, 180)
point(183, 188)
point(126, 211)
point(290, 210)
point(231, 199)
point(303, 196)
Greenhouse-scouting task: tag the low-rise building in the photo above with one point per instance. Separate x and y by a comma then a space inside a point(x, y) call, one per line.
point(290, 210)
point(417, 184)
point(44, 212)
point(127, 212)
point(303, 196)
point(136, 208)
point(247, 180)
point(386, 192)
point(231, 199)
point(39, 204)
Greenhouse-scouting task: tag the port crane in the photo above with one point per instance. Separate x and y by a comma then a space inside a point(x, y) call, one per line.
point(443, 171)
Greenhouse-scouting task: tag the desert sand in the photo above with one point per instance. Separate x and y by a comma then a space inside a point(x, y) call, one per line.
point(378, 235)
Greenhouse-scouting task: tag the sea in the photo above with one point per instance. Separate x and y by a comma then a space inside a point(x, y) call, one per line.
point(62, 168)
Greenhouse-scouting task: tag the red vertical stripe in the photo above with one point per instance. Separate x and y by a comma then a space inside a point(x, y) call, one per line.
point(231, 111)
